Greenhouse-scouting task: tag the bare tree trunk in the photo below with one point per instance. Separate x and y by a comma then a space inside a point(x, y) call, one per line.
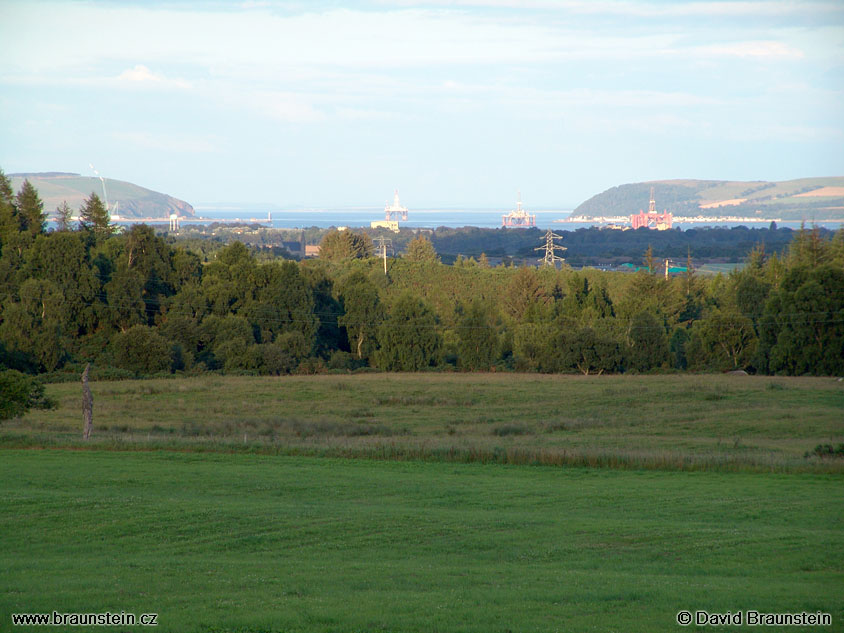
point(87, 404)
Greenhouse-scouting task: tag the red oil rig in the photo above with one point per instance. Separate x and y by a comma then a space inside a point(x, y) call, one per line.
point(518, 218)
point(652, 219)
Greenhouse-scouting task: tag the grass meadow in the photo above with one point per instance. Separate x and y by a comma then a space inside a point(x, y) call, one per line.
point(254, 543)
point(427, 502)
point(674, 422)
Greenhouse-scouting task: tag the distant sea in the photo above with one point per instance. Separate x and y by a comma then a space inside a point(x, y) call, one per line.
point(355, 217)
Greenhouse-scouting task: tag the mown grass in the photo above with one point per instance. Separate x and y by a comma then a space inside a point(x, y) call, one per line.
point(668, 422)
point(249, 543)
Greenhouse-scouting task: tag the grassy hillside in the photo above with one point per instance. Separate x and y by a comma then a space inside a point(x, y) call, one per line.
point(132, 200)
point(802, 199)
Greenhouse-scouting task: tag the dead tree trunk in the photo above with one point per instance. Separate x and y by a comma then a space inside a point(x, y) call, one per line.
point(87, 404)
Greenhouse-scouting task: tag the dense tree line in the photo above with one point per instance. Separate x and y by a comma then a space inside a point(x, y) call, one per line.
point(134, 304)
point(586, 246)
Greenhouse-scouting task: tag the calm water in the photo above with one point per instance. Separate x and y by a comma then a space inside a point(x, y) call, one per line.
point(358, 217)
point(423, 218)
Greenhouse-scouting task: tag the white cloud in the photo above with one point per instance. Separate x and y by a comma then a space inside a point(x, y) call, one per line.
point(141, 75)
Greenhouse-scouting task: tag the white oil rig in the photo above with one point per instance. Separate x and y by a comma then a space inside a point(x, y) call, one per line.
point(519, 217)
point(395, 211)
point(392, 214)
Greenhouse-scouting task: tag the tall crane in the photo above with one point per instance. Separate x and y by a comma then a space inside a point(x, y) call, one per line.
point(105, 194)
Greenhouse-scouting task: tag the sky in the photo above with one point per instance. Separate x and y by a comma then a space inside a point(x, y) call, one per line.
point(454, 103)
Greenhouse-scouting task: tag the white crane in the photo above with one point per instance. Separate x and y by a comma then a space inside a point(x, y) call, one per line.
point(111, 212)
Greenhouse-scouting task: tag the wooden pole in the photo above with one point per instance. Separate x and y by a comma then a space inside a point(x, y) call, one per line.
point(87, 404)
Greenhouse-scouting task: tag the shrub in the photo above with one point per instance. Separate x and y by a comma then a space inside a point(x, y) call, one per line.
point(142, 350)
point(19, 393)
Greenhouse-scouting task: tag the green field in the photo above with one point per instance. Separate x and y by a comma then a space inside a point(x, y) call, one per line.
point(222, 542)
point(720, 422)
point(498, 502)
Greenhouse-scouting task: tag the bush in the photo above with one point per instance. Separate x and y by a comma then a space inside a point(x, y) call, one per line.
point(142, 350)
point(345, 361)
point(19, 393)
point(827, 450)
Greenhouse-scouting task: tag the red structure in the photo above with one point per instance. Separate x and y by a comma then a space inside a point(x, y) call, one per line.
point(652, 219)
point(518, 218)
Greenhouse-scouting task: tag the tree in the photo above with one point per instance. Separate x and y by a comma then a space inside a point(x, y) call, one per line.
point(142, 350)
point(722, 340)
point(228, 340)
point(592, 351)
point(807, 249)
point(283, 302)
point(648, 343)
point(477, 338)
point(64, 217)
point(6, 191)
point(540, 346)
point(30, 209)
point(803, 324)
point(649, 261)
point(420, 249)
point(125, 299)
point(9, 224)
point(363, 313)
point(409, 339)
point(93, 217)
point(524, 293)
point(327, 309)
point(228, 282)
point(19, 393)
point(63, 259)
point(751, 292)
point(33, 325)
point(339, 245)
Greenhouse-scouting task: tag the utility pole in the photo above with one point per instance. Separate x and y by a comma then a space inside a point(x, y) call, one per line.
point(382, 244)
point(551, 258)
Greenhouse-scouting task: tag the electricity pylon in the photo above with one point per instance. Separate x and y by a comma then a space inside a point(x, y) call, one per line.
point(551, 258)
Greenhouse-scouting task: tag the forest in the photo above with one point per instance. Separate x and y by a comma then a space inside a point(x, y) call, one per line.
point(134, 304)
point(591, 246)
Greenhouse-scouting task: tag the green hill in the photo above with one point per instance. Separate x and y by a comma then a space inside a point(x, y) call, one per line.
point(132, 200)
point(802, 199)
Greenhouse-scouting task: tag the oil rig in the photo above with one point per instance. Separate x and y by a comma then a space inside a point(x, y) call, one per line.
point(518, 218)
point(395, 211)
point(652, 219)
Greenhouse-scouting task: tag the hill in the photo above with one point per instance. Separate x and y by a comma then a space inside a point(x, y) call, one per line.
point(802, 199)
point(132, 200)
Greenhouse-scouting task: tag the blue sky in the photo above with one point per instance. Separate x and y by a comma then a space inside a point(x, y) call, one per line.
point(455, 103)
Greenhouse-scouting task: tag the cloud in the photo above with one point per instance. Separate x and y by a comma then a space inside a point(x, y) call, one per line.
point(140, 75)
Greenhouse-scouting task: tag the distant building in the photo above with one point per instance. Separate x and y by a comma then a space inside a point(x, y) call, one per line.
point(390, 225)
point(312, 250)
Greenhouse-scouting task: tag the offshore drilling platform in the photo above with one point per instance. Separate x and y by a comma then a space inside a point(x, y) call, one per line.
point(652, 219)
